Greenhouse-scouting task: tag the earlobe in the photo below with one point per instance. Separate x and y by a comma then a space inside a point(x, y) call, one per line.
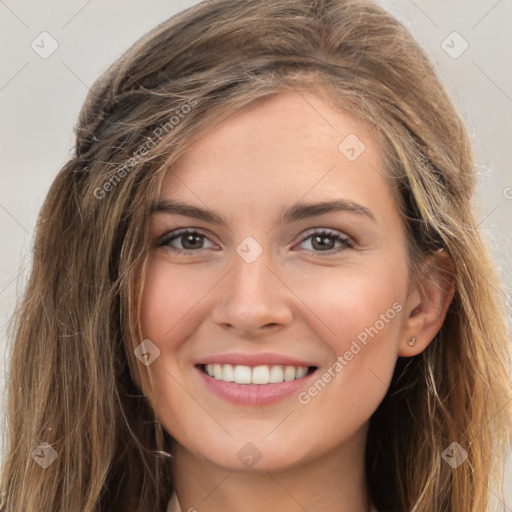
point(427, 305)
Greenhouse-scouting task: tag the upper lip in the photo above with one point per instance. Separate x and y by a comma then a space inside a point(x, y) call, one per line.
point(253, 359)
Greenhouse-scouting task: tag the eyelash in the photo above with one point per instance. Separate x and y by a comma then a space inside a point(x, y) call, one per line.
point(347, 242)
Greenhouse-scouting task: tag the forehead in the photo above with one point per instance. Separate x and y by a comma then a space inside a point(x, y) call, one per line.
point(284, 147)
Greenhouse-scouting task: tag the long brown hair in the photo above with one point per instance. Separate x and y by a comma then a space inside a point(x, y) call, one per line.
point(73, 375)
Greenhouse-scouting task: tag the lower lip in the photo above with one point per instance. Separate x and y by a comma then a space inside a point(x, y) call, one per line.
point(254, 394)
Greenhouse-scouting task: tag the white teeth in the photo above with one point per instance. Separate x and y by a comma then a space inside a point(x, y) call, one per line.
point(260, 375)
point(217, 371)
point(300, 372)
point(263, 374)
point(289, 373)
point(242, 374)
point(276, 374)
point(228, 373)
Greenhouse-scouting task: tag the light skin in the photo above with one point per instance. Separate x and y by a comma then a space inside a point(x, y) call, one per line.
point(303, 296)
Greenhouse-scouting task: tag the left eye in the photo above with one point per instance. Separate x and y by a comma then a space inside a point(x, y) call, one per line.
point(326, 240)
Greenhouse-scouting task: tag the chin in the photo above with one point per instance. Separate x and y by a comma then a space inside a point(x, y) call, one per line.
point(244, 455)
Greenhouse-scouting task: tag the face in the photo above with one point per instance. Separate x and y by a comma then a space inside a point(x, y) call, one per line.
point(278, 322)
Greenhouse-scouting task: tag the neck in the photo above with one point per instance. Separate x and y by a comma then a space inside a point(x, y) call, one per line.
point(335, 482)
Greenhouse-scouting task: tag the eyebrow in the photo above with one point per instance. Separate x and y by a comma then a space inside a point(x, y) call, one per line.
point(296, 212)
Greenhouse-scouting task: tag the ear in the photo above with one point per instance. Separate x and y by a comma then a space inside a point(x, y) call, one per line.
point(427, 304)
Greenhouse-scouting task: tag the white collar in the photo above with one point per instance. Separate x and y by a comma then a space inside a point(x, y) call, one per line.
point(173, 505)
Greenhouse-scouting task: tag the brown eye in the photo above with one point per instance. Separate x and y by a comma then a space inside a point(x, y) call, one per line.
point(192, 241)
point(184, 241)
point(327, 241)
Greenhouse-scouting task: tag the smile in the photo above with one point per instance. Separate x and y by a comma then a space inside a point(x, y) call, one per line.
point(255, 379)
point(259, 375)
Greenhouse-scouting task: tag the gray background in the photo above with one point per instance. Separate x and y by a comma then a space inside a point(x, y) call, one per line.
point(40, 99)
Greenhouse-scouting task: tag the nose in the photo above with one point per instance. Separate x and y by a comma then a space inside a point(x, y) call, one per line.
point(253, 299)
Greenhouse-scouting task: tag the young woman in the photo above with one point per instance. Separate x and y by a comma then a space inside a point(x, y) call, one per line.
point(259, 284)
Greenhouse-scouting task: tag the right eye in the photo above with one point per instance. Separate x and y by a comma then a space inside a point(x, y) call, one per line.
point(184, 241)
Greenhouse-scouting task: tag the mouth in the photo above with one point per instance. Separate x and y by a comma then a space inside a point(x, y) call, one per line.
point(254, 385)
point(255, 375)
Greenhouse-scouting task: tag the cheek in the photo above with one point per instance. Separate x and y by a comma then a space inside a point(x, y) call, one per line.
point(355, 303)
point(363, 315)
point(167, 319)
point(170, 294)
